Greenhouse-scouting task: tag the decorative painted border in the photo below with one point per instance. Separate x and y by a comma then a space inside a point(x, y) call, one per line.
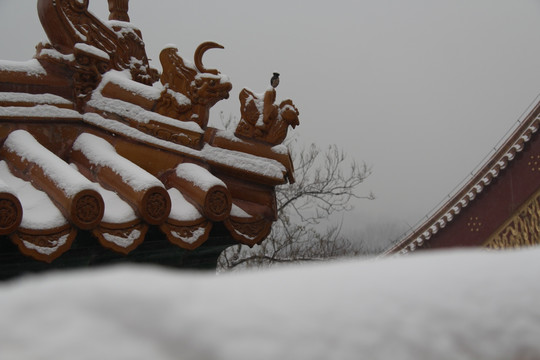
point(483, 178)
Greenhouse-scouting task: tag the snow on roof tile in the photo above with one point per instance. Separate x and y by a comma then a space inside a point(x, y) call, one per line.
point(39, 111)
point(92, 50)
point(237, 211)
point(198, 175)
point(39, 212)
point(64, 176)
point(137, 113)
point(99, 152)
point(30, 67)
point(116, 210)
point(43, 99)
point(247, 162)
point(181, 209)
point(234, 159)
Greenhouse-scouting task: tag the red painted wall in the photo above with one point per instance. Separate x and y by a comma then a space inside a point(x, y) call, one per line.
point(495, 204)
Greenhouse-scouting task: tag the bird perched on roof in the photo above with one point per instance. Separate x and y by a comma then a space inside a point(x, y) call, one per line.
point(274, 81)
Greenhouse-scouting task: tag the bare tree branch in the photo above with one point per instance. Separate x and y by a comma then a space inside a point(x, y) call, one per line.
point(326, 182)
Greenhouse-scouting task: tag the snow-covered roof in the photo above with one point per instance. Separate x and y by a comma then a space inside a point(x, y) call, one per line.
point(469, 305)
point(119, 198)
point(94, 139)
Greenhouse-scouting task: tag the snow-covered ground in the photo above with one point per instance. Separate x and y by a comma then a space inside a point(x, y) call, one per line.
point(452, 305)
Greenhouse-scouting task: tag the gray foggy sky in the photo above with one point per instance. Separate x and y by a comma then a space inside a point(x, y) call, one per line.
point(420, 89)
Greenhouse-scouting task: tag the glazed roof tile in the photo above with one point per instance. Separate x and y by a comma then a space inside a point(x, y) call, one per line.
point(120, 225)
point(104, 143)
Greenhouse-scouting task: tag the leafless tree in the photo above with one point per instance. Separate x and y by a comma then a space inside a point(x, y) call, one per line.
point(326, 182)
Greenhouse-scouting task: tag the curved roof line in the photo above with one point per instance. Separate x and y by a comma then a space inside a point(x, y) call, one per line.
point(491, 169)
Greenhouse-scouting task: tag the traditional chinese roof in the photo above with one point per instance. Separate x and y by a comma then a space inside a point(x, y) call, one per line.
point(498, 207)
point(95, 140)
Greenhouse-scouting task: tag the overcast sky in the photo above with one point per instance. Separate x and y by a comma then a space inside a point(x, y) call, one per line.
point(420, 89)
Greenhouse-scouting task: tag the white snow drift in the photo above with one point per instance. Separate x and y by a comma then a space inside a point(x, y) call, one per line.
point(457, 305)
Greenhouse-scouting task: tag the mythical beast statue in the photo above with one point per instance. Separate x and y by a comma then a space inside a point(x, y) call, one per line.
point(203, 87)
point(264, 120)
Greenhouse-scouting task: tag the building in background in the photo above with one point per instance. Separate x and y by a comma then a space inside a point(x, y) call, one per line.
point(498, 208)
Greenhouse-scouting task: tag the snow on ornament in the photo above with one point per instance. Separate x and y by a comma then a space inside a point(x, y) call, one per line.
point(122, 150)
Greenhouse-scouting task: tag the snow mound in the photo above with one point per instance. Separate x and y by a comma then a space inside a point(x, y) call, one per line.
point(454, 305)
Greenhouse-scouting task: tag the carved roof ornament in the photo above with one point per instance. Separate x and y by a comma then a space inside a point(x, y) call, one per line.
point(203, 87)
point(72, 29)
point(264, 120)
point(93, 139)
point(118, 10)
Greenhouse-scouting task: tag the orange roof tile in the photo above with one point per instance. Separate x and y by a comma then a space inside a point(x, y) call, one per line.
point(95, 140)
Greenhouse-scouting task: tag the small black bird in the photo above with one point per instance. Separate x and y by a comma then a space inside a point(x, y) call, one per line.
point(274, 81)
